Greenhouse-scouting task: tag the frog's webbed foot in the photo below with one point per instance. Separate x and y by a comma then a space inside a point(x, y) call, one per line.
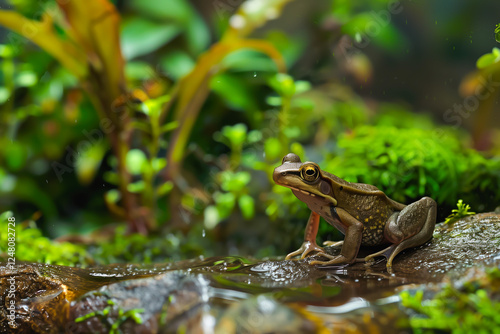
point(333, 243)
point(305, 249)
point(385, 252)
point(339, 259)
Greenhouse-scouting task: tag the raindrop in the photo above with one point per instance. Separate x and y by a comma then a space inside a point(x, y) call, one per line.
point(203, 233)
point(254, 74)
point(46, 181)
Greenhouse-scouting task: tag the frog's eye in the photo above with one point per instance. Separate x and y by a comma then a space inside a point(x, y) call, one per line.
point(309, 173)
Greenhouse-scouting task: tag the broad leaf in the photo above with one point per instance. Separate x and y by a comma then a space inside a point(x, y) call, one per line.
point(140, 37)
point(44, 35)
point(95, 24)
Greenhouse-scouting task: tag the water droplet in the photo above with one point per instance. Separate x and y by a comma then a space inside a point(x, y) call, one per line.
point(254, 74)
point(203, 233)
point(46, 181)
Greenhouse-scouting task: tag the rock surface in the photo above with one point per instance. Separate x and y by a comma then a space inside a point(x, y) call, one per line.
point(237, 295)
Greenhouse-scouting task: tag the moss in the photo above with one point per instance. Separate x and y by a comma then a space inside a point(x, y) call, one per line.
point(471, 308)
point(410, 163)
point(31, 245)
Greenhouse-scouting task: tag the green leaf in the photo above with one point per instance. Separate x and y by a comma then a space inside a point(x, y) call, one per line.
point(16, 155)
point(245, 60)
point(135, 161)
point(211, 217)
point(44, 35)
point(488, 59)
point(234, 90)
point(4, 94)
point(169, 127)
point(26, 79)
point(95, 28)
point(153, 107)
point(247, 207)
point(89, 161)
point(138, 70)
point(177, 10)
point(165, 188)
point(177, 64)
point(234, 182)
point(224, 203)
point(272, 148)
point(113, 196)
point(136, 187)
point(497, 33)
point(236, 134)
point(283, 84)
point(158, 164)
point(197, 34)
point(140, 36)
point(298, 149)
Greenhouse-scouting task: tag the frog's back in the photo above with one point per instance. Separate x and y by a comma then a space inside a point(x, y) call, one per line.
point(370, 206)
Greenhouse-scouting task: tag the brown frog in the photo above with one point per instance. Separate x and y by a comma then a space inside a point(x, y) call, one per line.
point(360, 211)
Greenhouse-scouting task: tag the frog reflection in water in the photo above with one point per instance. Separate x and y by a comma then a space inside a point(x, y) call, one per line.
point(360, 211)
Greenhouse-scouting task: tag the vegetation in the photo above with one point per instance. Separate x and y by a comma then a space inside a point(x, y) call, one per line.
point(122, 316)
point(461, 212)
point(472, 307)
point(171, 122)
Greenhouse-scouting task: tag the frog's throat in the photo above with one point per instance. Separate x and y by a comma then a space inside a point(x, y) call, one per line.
point(331, 199)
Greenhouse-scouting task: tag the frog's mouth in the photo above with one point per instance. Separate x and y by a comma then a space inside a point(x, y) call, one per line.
point(304, 192)
point(327, 199)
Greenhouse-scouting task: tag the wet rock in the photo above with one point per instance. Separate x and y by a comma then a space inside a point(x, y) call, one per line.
point(238, 295)
point(163, 303)
point(466, 243)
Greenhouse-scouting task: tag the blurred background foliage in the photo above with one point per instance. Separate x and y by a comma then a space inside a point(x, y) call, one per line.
point(167, 119)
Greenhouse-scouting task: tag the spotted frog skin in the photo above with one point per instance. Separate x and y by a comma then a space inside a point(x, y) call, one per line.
point(360, 211)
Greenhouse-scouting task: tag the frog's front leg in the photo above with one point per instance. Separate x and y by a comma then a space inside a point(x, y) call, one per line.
point(352, 242)
point(309, 243)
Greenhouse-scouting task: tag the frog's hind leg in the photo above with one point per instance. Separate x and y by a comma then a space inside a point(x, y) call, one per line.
point(384, 252)
point(412, 227)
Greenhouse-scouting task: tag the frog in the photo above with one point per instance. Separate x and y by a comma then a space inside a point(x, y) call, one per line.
point(362, 212)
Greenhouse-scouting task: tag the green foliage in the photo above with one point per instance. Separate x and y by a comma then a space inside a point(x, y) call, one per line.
point(471, 308)
point(461, 212)
point(497, 33)
point(122, 316)
point(31, 245)
point(194, 120)
point(138, 248)
point(488, 59)
point(411, 163)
